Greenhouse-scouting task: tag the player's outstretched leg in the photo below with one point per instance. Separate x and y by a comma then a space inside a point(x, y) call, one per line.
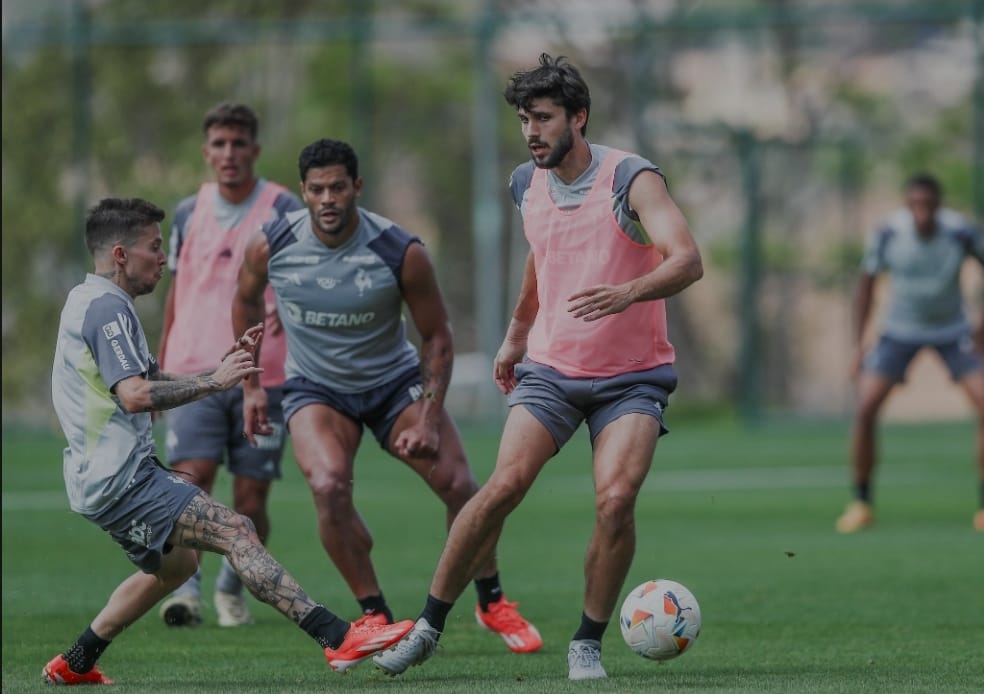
point(208, 525)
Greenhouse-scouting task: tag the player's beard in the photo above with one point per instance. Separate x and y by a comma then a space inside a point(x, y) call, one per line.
point(557, 152)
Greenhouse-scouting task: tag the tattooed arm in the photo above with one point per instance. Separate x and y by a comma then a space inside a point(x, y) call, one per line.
point(164, 391)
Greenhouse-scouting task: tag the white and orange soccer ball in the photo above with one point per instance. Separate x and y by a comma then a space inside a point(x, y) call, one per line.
point(660, 619)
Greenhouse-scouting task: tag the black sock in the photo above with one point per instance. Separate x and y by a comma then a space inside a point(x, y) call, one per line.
point(84, 653)
point(982, 494)
point(590, 629)
point(325, 627)
point(436, 612)
point(489, 590)
point(862, 491)
point(376, 603)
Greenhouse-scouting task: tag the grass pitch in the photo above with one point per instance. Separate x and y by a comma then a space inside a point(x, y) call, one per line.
point(742, 518)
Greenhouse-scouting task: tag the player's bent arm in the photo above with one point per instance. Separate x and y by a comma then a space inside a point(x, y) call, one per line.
point(139, 393)
point(671, 237)
point(423, 297)
point(163, 391)
point(248, 303)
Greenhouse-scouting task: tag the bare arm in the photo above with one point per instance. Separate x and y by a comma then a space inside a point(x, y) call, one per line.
point(514, 344)
point(248, 303)
point(165, 391)
point(863, 300)
point(670, 235)
point(426, 304)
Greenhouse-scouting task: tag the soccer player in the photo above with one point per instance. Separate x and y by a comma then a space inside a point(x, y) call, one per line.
point(587, 341)
point(206, 248)
point(922, 248)
point(105, 384)
point(342, 276)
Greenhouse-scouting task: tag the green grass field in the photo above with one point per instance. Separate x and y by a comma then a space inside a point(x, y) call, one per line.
point(743, 518)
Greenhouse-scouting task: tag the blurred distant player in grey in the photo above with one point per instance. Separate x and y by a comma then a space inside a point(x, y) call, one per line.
point(104, 385)
point(342, 276)
point(206, 249)
point(922, 248)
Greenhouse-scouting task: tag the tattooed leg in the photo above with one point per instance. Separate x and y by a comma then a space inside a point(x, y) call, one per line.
point(207, 525)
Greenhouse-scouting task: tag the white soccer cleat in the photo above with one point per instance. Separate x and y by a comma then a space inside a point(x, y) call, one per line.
point(416, 647)
point(232, 609)
point(584, 661)
point(182, 610)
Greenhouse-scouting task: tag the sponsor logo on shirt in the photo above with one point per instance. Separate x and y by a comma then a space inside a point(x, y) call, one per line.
point(328, 282)
point(327, 320)
point(302, 259)
point(361, 259)
point(120, 354)
point(111, 330)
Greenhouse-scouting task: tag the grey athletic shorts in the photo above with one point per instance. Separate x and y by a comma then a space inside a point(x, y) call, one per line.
point(213, 426)
point(142, 518)
point(561, 403)
point(377, 407)
point(891, 357)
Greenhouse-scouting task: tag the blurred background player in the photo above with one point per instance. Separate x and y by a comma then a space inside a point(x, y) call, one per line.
point(342, 276)
point(587, 341)
point(206, 248)
point(922, 248)
point(104, 385)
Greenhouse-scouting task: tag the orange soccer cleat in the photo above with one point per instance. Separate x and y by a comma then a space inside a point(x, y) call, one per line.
point(363, 640)
point(504, 619)
point(373, 617)
point(58, 672)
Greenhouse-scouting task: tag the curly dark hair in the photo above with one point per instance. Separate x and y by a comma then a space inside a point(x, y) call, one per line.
point(326, 152)
point(555, 79)
point(118, 220)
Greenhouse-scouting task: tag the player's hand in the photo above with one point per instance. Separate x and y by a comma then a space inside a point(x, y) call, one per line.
point(249, 341)
point(234, 368)
point(599, 301)
point(503, 367)
point(418, 441)
point(256, 420)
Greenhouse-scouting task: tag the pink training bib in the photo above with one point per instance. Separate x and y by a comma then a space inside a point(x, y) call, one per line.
point(205, 285)
point(580, 248)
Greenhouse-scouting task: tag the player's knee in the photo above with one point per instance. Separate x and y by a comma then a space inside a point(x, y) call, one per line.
point(615, 508)
point(331, 492)
point(244, 527)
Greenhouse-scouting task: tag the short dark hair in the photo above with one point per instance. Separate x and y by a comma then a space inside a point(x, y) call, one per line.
point(232, 115)
point(555, 79)
point(326, 152)
point(926, 181)
point(118, 220)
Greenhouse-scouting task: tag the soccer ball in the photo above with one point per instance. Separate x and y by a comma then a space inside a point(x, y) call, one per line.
point(660, 619)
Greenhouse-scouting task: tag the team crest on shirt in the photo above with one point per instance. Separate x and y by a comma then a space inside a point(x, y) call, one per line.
point(363, 281)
